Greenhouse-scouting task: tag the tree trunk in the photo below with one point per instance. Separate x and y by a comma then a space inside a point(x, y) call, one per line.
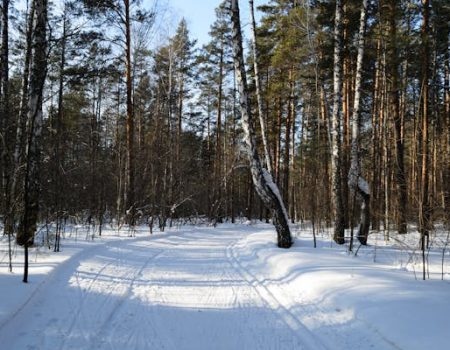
point(21, 134)
point(376, 139)
point(130, 205)
point(262, 180)
point(262, 122)
point(424, 204)
point(28, 222)
point(58, 137)
point(356, 182)
point(7, 141)
point(287, 151)
point(218, 159)
point(395, 111)
point(277, 147)
point(446, 163)
point(336, 161)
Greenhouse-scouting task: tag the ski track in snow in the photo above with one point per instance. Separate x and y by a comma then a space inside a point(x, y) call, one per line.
point(197, 288)
point(174, 291)
point(279, 296)
point(294, 323)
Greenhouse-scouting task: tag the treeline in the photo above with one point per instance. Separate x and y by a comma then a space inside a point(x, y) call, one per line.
point(102, 123)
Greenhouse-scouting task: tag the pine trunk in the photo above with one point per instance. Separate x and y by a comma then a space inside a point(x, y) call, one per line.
point(6, 151)
point(424, 213)
point(130, 200)
point(398, 127)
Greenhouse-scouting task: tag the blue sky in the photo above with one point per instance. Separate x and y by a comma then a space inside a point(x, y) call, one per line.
point(200, 15)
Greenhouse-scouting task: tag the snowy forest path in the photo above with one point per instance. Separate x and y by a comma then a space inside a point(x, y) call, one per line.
point(179, 290)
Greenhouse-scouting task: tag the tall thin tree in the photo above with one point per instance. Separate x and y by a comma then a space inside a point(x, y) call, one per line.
point(130, 120)
point(262, 179)
point(38, 72)
point(424, 201)
point(6, 140)
point(336, 161)
point(392, 66)
point(356, 182)
point(259, 98)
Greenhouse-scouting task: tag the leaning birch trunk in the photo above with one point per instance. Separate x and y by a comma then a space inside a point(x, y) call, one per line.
point(356, 182)
point(28, 221)
point(262, 180)
point(262, 122)
point(339, 225)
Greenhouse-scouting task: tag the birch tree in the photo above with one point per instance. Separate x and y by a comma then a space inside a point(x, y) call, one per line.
point(357, 183)
point(262, 179)
point(339, 224)
point(259, 99)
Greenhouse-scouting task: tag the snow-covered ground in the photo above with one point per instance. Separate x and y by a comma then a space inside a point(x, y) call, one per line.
point(224, 288)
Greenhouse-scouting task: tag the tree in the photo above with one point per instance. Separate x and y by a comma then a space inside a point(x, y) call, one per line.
point(392, 66)
point(424, 208)
point(262, 179)
point(123, 16)
point(7, 139)
point(28, 221)
point(339, 224)
point(262, 122)
point(130, 200)
point(357, 183)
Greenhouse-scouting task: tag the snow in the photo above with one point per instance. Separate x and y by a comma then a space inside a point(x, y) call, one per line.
point(363, 185)
point(228, 287)
point(274, 188)
point(354, 178)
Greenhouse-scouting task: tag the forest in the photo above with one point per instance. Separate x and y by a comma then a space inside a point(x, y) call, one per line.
point(281, 182)
point(342, 108)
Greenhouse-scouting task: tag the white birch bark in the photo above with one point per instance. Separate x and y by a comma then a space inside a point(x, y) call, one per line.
point(262, 179)
point(335, 129)
point(262, 122)
point(28, 221)
point(356, 182)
